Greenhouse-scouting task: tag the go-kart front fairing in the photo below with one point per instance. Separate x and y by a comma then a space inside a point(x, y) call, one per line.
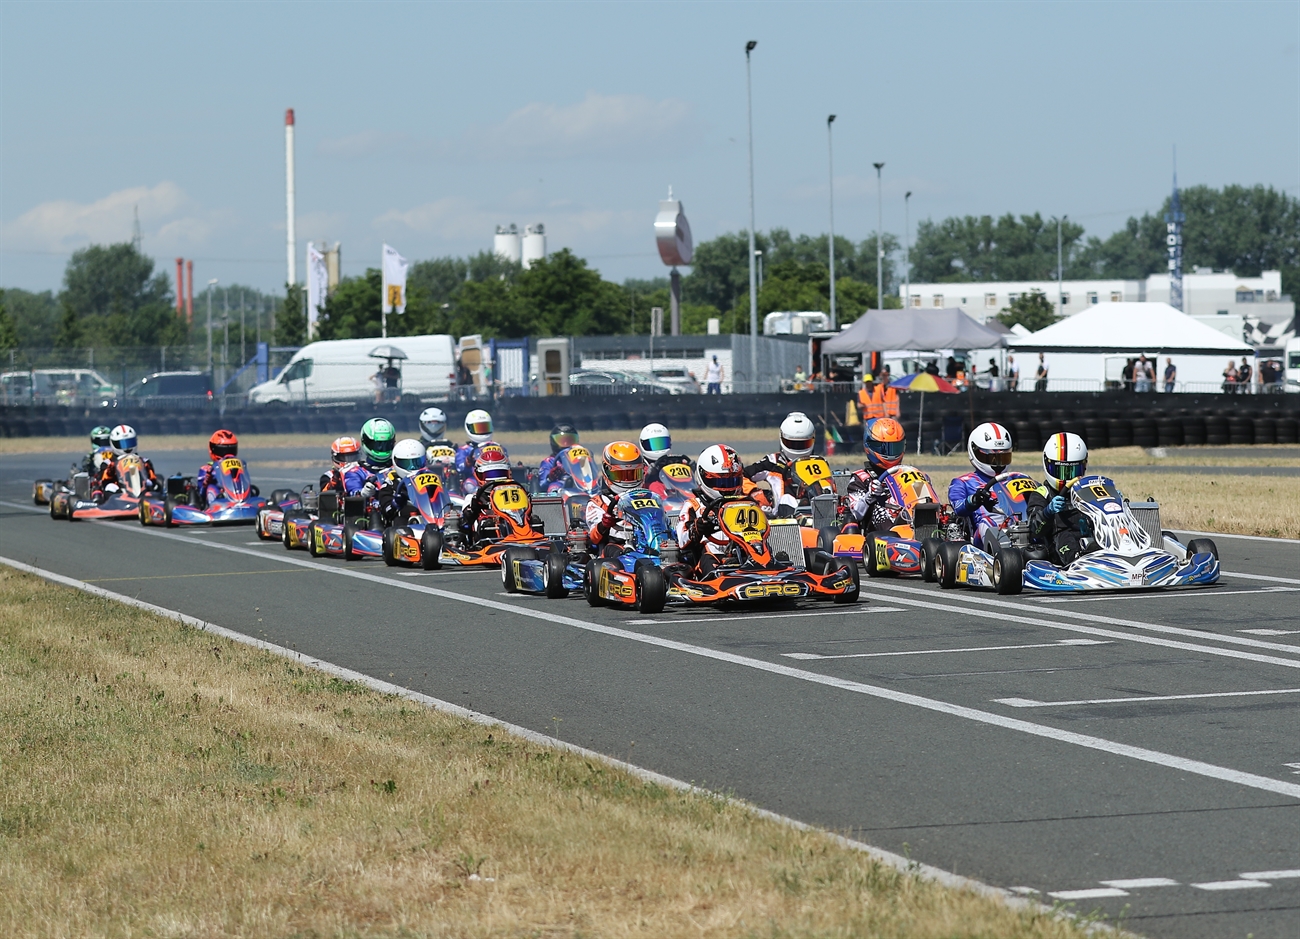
point(751, 572)
point(237, 501)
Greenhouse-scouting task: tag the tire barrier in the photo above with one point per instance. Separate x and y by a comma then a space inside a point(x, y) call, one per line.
point(1288, 430)
point(1265, 430)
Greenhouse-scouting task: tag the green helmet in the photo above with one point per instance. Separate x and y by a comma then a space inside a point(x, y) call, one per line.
point(99, 436)
point(378, 437)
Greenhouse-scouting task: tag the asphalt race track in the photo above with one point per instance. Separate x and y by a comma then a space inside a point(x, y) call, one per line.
point(1136, 754)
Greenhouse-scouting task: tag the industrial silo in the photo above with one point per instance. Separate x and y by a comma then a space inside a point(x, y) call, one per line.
point(534, 244)
point(506, 243)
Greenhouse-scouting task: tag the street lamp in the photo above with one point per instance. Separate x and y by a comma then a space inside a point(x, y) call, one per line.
point(880, 250)
point(753, 286)
point(830, 157)
point(212, 283)
point(907, 251)
point(759, 255)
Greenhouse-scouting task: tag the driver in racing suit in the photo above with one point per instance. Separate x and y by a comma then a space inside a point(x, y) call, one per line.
point(99, 442)
point(390, 495)
point(656, 448)
point(491, 469)
point(123, 439)
point(719, 477)
point(884, 441)
point(989, 450)
point(622, 469)
point(478, 428)
point(1052, 519)
point(563, 436)
point(347, 476)
point(220, 445)
point(797, 436)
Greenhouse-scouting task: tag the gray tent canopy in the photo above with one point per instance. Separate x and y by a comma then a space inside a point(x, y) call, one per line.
point(949, 328)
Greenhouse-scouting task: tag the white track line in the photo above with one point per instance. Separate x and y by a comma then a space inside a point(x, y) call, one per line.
point(1221, 534)
point(1141, 883)
point(1031, 703)
point(809, 656)
point(1279, 580)
point(1170, 595)
point(1155, 757)
point(1092, 893)
point(1270, 875)
point(1232, 885)
point(888, 858)
point(687, 621)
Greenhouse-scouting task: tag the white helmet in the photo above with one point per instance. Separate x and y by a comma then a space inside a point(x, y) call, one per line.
point(1065, 459)
point(478, 426)
point(655, 442)
point(433, 424)
point(408, 456)
point(719, 472)
point(989, 448)
point(797, 435)
point(123, 438)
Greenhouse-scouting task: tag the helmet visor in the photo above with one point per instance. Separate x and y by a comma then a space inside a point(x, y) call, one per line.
point(1065, 472)
point(409, 463)
point(126, 443)
point(998, 459)
point(494, 474)
point(798, 445)
point(723, 483)
point(657, 444)
point(563, 440)
point(219, 450)
point(479, 427)
point(888, 449)
point(625, 475)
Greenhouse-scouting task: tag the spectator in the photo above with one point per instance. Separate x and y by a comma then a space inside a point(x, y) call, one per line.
point(952, 369)
point(932, 368)
point(1270, 374)
point(800, 379)
point(1243, 377)
point(1142, 376)
point(713, 377)
point(1126, 375)
point(1013, 373)
point(1040, 374)
point(488, 383)
point(1230, 378)
point(994, 383)
point(1171, 375)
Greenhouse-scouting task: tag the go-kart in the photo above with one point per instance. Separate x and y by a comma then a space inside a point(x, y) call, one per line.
point(415, 539)
point(674, 486)
point(630, 575)
point(43, 490)
point(117, 500)
point(269, 523)
point(753, 571)
point(237, 503)
point(1127, 554)
point(901, 549)
point(508, 520)
point(576, 483)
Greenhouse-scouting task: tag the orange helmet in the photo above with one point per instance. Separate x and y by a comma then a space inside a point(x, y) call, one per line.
point(345, 450)
point(622, 466)
point(884, 441)
point(222, 443)
point(491, 465)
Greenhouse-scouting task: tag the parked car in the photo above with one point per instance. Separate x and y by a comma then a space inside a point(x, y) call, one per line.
point(590, 381)
point(344, 369)
point(67, 387)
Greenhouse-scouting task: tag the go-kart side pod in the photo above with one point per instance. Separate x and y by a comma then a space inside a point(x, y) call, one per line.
point(539, 570)
point(607, 581)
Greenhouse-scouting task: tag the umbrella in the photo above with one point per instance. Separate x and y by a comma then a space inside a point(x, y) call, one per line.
point(387, 352)
point(923, 382)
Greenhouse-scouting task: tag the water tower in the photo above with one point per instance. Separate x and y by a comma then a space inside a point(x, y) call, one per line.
point(673, 236)
point(506, 243)
point(534, 248)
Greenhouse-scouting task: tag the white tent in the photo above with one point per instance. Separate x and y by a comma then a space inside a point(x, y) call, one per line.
point(1092, 346)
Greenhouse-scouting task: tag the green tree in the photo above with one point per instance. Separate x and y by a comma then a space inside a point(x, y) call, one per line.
point(112, 297)
point(1031, 310)
point(35, 316)
point(353, 310)
point(982, 249)
point(8, 335)
point(561, 296)
point(291, 317)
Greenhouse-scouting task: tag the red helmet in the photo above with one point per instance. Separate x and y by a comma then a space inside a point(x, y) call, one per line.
point(222, 443)
point(491, 465)
point(345, 450)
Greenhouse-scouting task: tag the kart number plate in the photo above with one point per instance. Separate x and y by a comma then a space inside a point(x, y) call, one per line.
point(434, 454)
point(646, 502)
point(1018, 487)
point(579, 453)
point(509, 498)
point(812, 471)
point(882, 554)
point(746, 521)
point(426, 481)
point(678, 472)
point(231, 465)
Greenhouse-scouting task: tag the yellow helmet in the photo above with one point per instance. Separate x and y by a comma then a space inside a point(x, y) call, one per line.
point(622, 466)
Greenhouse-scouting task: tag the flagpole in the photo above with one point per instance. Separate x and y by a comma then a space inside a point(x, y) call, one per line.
point(919, 419)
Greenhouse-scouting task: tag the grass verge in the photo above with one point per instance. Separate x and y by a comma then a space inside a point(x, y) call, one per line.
point(158, 780)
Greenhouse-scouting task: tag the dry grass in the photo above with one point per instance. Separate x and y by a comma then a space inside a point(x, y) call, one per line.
point(1245, 505)
point(156, 780)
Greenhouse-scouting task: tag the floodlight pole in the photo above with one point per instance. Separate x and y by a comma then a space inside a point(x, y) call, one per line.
point(1060, 296)
point(830, 154)
point(753, 286)
point(907, 251)
point(880, 249)
point(212, 283)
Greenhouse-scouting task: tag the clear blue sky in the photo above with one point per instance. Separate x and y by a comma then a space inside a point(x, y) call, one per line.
point(425, 125)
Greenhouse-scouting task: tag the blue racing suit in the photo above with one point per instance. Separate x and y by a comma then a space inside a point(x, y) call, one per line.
point(960, 493)
point(467, 453)
point(348, 479)
point(205, 481)
point(549, 470)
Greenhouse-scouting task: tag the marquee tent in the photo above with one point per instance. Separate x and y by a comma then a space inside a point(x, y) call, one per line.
point(876, 330)
point(1130, 329)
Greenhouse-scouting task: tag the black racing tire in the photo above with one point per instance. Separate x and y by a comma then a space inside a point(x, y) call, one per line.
point(350, 527)
point(311, 540)
point(390, 556)
point(142, 514)
point(826, 538)
point(52, 515)
point(929, 551)
point(851, 595)
point(589, 583)
point(557, 562)
point(651, 589)
point(1202, 546)
point(945, 564)
point(168, 506)
point(284, 532)
point(869, 556)
point(508, 557)
point(431, 548)
point(1009, 571)
point(35, 499)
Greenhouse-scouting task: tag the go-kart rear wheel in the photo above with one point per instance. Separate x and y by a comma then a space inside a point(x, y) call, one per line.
point(826, 538)
point(390, 556)
point(869, 556)
point(929, 551)
point(651, 589)
point(557, 562)
point(431, 549)
point(589, 580)
point(1009, 571)
point(945, 564)
point(311, 541)
point(1202, 546)
point(850, 595)
point(508, 559)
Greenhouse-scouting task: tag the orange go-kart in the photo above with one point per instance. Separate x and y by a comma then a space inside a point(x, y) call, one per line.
point(766, 560)
point(509, 520)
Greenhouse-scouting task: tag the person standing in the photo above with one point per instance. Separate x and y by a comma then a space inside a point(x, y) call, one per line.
point(713, 376)
point(1230, 378)
point(1013, 373)
point(1171, 375)
point(1141, 375)
point(1243, 377)
point(1040, 374)
point(994, 384)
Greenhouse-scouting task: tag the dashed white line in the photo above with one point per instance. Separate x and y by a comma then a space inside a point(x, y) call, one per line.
point(1092, 893)
point(1141, 883)
point(1270, 632)
point(1031, 703)
point(873, 655)
point(1271, 875)
point(1231, 885)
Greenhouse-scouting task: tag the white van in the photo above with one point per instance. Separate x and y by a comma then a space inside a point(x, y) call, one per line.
point(344, 370)
point(1291, 362)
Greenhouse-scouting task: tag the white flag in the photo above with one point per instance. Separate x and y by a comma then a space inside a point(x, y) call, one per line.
point(317, 286)
point(394, 268)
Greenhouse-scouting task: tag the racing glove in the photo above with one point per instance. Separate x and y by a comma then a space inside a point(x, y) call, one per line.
point(1054, 505)
point(984, 497)
point(876, 489)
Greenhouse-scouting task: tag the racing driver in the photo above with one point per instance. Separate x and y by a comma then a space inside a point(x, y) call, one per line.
point(719, 476)
point(884, 442)
point(347, 476)
point(491, 469)
point(478, 428)
point(433, 428)
point(1052, 519)
point(989, 450)
point(622, 469)
point(797, 436)
point(657, 449)
point(220, 445)
point(563, 436)
point(123, 440)
point(99, 442)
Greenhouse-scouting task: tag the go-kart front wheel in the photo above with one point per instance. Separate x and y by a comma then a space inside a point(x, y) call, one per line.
point(651, 588)
point(1202, 546)
point(1009, 571)
point(929, 551)
point(557, 562)
point(508, 559)
point(313, 536)
point(431, 549)
point(850, 595)
point(590, 578)
point(350, 528)
point(945, 564)
point(390, 556)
